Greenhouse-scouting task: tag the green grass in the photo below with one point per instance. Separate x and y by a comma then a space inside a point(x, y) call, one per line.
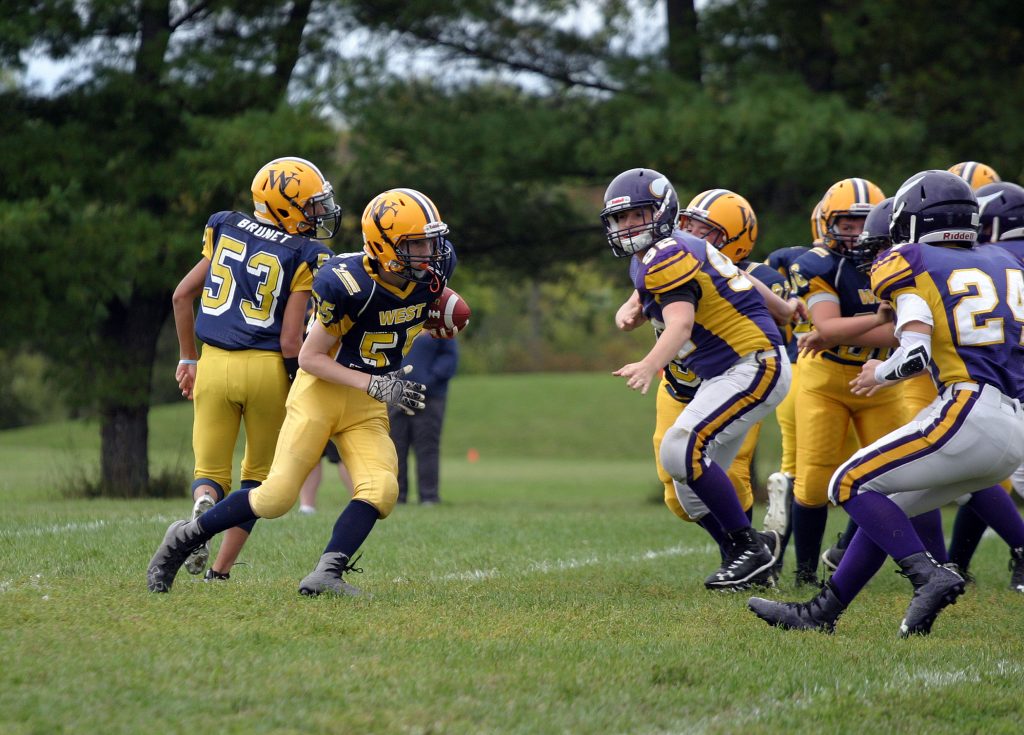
point(548, 594)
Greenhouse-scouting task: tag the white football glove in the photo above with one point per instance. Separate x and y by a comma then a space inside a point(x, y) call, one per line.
point(391, 389)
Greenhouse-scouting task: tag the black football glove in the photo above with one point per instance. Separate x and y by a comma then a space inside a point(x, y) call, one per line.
point(391, 389)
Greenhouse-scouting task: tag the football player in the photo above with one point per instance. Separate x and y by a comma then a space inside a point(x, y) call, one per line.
point(369, 307)
point(1001, 210)
point(779, 516)
point(960, 309)
point(713, 319)
point(254, 277)
point(833, 279)
point(975, 174)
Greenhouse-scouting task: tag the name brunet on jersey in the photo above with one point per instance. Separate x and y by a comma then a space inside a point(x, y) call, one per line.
point(263, 231)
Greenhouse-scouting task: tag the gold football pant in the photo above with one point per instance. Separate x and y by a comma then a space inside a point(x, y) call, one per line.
point(234, 386)
point(825, 408)
point(358, 424)
point(668, 410)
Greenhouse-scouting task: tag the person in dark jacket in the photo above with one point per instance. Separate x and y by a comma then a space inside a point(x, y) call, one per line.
point(433, 362)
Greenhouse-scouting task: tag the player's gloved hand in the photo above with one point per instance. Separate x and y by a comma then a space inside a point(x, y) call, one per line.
point(391, 389)
point(444, 332)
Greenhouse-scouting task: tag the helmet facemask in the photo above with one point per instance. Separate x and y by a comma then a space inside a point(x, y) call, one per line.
point(322, 215)
point(410, 261)
point(626, 241)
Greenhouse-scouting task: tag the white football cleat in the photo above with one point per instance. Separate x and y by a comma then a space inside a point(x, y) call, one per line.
point(779, 485)
point(196, 561)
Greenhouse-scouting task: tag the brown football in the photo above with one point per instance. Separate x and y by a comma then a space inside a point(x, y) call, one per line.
point(448, 311)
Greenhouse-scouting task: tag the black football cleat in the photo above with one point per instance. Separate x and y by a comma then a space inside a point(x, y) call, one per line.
point(806, 578)
point(1016, 567)
point(748, 561)
point(831, 557)
point(818, 613)
point(327, 577)
point(935, 587)
point(181, 539)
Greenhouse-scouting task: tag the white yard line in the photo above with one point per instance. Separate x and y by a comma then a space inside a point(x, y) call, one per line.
point(562, 565)
point(80, 526)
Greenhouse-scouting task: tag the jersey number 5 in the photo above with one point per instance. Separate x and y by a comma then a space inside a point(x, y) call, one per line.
point(258, 311)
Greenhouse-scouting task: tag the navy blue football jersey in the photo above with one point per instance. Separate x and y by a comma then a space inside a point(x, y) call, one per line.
point(783, 258)
point(821, 274)
point(375, 321)
point(253, 269)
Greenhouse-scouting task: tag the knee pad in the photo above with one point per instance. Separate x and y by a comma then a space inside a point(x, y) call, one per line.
point(381, 492)
point(673, 453)
point(270, 502)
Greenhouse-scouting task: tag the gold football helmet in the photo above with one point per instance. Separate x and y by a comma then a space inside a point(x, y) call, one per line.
point(852, 197)
point(398, 221)
point(724, 219)
point(817, 233)
point(292, 194)
point(974, 173)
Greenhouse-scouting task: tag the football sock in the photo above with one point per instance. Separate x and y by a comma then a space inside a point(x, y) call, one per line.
point(233, 511)
point(789, 522)
point(808, 530)
point(929, 529)
point(967, 532)
point(996, 508)
point(847, 537)
point(863, 558)
point(886, 523)
point(218, 491)
point(716, 490)
point(352, 527)
point(714, 529)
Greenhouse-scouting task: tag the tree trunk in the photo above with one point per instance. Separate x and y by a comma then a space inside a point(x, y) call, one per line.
point(124, 453)
point(683, 50)
point(130, 333)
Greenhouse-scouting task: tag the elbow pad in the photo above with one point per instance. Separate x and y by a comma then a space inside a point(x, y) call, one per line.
point(910, 358)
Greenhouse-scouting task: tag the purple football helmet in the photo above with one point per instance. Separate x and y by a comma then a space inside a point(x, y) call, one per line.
point(874, 239)
point(935, 206)
point(633, 189)
point(1002, 212)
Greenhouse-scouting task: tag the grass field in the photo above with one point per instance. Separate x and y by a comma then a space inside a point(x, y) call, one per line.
point(548, 594)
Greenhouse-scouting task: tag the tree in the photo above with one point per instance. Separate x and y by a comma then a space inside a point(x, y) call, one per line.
point(107, 184)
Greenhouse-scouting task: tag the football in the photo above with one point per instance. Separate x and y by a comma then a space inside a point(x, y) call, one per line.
point(449, 312)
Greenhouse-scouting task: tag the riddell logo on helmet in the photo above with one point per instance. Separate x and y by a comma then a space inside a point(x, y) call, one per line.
point(960, 235)
point(616, 201)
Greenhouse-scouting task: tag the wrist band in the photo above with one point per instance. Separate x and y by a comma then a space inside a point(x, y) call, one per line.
point(188, 362)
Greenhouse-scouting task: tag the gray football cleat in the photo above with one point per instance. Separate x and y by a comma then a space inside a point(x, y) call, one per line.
point(181, 539)
point(778, 485)
point(831, 557)
point(935, 587)
point(327, 577)
point(819, 613)
point(196, 562)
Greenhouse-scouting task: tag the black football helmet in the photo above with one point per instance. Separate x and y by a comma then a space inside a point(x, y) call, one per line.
point(1002, 212)
point(633, 189)
point(935, 207)
point(874, 239)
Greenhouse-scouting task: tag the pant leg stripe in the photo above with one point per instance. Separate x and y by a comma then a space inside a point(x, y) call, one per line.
point(765, 380)
point(904, 449)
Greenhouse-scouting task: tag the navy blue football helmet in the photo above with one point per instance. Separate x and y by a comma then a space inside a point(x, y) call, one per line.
point(935, 207)
point(1002, 212)
point(639, 188)
point(874, 239)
